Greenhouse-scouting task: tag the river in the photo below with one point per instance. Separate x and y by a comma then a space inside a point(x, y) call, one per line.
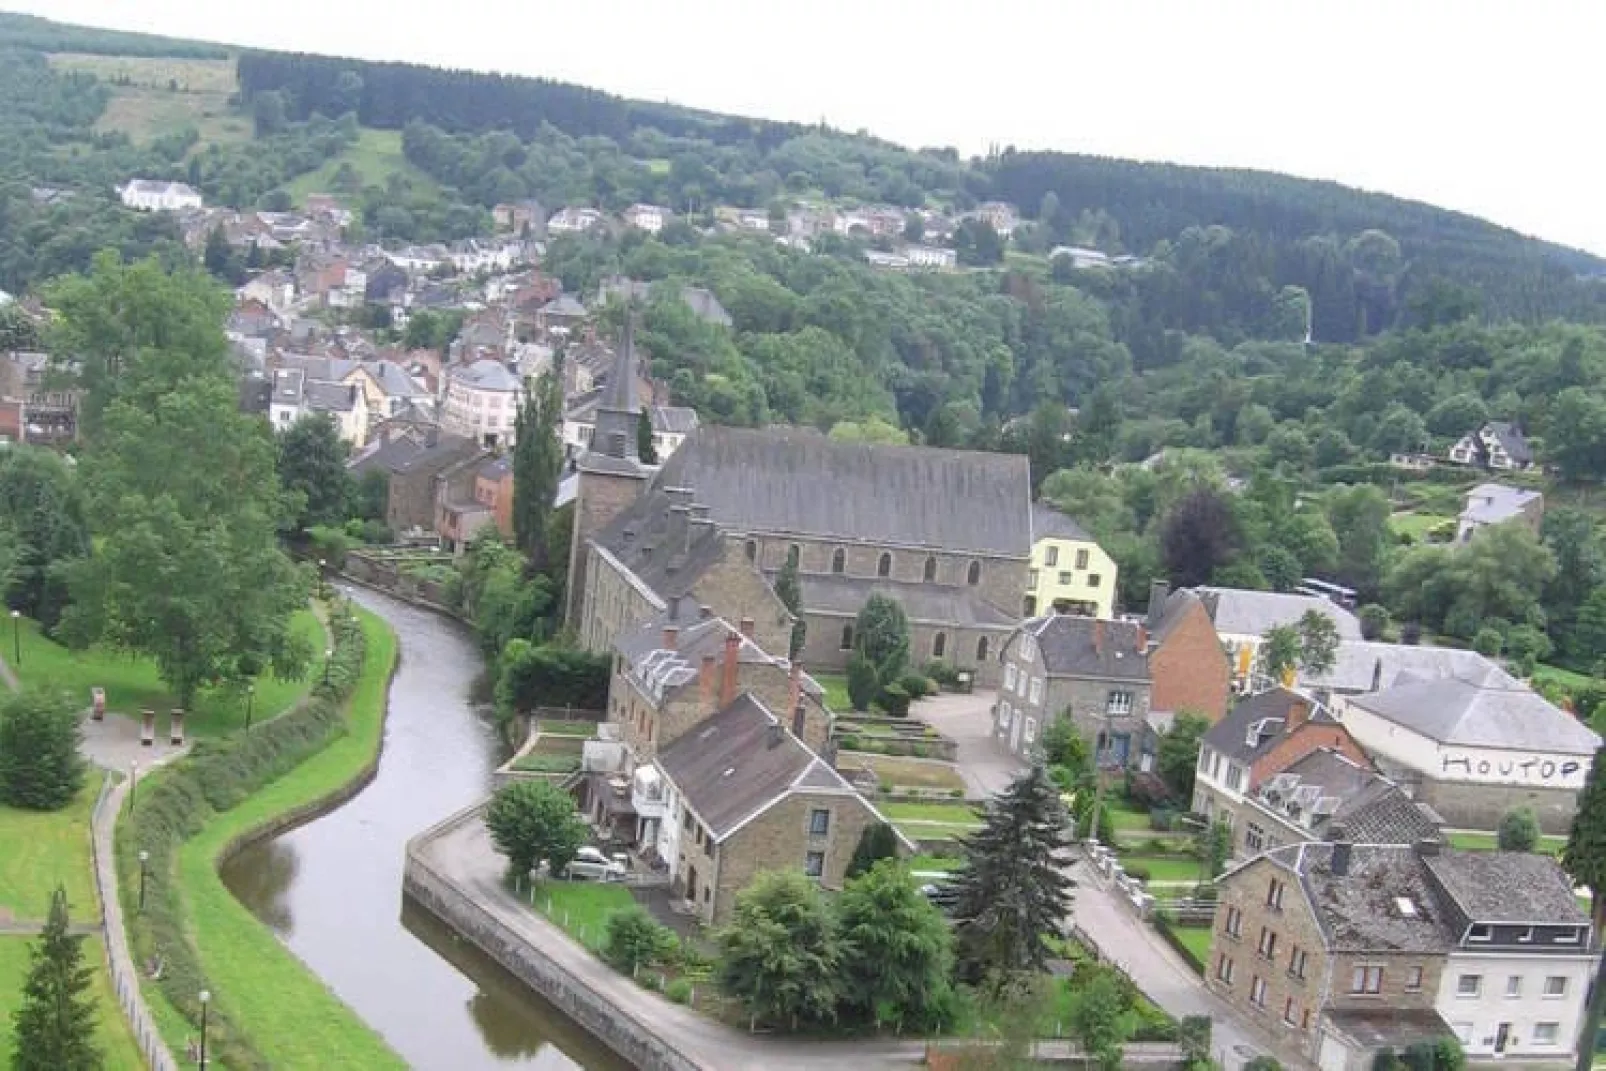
point(331, 890)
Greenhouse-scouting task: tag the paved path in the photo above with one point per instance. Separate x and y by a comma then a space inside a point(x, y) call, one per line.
point(968, 721)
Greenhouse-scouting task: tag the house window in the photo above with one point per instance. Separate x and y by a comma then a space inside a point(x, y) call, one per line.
point(1469, 985)
point(1235, 777)
point(1274, 894)
point(792, 555)
point(1081, 558)
point(1051, 557)
point(931, 570)
point(1304, 1019)
point(814, 864)
point(1067, 578)
point(884, 566)
point(847, 637)
point(1093, 580)
point(1413, 979)
point(1257, 991)
point(839, 560)
point(1005, 715)
point(939, 644)
point(1118, 703)
point(1029, 607)
point(1031, 578)
point(1288, 1011)
point(1224, 969)
point(1546, 1033)
point(1268, 944)
point(1514, 986)
point(1235, 923)
point(981, 649)
point(752, 550)
point(1297, 960)
point(1480, 933)
point(1254, 838)
point(973, 574)
point(1037, 689)
point(1366, 980)
point(1556, 986)
point(819, 822)
point(1009, 677)
point(1030, 732)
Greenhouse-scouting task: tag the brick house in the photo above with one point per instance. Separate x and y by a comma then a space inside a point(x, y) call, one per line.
point(1187, 663)
point(493, 489)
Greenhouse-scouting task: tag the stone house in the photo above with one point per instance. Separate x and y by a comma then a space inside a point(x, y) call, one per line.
point(1490, 504)
point(412, 462)
point(1242, 618)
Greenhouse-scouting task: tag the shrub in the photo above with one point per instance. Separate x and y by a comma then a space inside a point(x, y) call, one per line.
point(636, 939)
point(895, 701)
point(534, 822)
point(1137, 872)
point(917, 686)
point(848, 743)
point(1374, 621)
point(1161, 819)
point(329, 544)
point(1147, 791)
point(862, 682)
point(1488, 641)
point(678, 991)
point(945, 674)
point(1519, 830)
point(40, 769)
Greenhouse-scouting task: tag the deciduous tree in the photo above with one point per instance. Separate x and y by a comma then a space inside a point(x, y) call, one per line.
point(312, 471)
point(1199, 536)
point(781, 955)
point(537, 464)
point(534, 822)
point(40, 768)
point(897, 950)
point(1178, 755)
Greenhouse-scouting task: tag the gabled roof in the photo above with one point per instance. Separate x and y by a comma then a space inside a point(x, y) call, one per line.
point(486, 374)
point(1333, 791)
point(1492, 503)
point(1072, 646)
point(1360, 910)
point(1266, 713)
point(673, 419)
point(1492, 709)
point(1050, 523)
point(923, 603)
point(331, 397)
point(1512, 887)
point(288, 386)
point(1365, 665)
point(784, 480)
point(647, 540)
point(1240, 612)
point(394, 380)
point(1511, 440)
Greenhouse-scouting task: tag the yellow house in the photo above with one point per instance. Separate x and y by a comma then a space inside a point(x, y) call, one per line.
point(1069, 571)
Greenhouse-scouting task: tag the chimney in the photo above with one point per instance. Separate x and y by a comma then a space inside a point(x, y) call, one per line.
point(727, 684)
point(705, 680)
point(670, 634)
point(776, 734)
point(674, 607)
point(1428, 848)
point(747, 627)
point(704, 613)
point(1143, 640)
point(1159, 592)
point(1377, 675)
point(1098, 636)
point(1340, 862)
point(1298, 714)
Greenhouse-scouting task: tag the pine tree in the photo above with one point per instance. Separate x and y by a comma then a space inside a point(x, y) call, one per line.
point(537, 464)
point(1584, 858)
point(790, 593)
point(1013, 892)
point(645, 448)
point(55, 1024)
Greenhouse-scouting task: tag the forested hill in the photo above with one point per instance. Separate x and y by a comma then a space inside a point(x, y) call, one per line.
point(43, 35)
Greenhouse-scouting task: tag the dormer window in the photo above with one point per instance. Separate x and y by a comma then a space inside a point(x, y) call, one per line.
point(1569, 936)
point(1480, 933)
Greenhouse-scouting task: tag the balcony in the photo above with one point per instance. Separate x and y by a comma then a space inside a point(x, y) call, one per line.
point(647, 793)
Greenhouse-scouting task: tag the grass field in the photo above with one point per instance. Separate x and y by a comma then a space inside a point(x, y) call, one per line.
point(582, 908)
point(290, 1016)
point(112, 1035)
point(1163, 867)
point(131, 683)
point(1416, 525)
point(943, 864)
point(40, 850)
point(912, 773)
point(376, 156)
point(155, 96)
point(836, 691)
point(584, 730)
point(1487, 842)
point(958, 814)
point(1196, 938)
point(1565, 677)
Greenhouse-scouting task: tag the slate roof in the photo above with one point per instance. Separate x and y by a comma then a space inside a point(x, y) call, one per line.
point(331, 397)
point(1359, 662)
point(1512, 440)
point(923, 603)
point(642, 540)
point(794, 481)
point(1515, 887)
point(1370, 808)
point(288, 384)
point(1072, 646)
point(408, 454)
point(1491, 709)
point(1050, 523)
point(1359, 910)
point(1172, 612)
point(673, 419)
point(486, 375)
point(564, 305)
point(741, 761)
point(1391, 1027)
point(1493, 503)
point(393, 379)
point(1236, 611)
point(1268, 710)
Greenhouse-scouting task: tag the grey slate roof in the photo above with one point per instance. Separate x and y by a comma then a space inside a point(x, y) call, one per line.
point(923, 603)
point(739, 762)
point(793, 481)
point(642, 539)
point(1491, 709)
point(1073, 646)
point(1268, 710)
point(1495, 887)
point(1236, 611)
point(1391, 1027)
point(1172, 612)
point(1358, 911)
point(1371, 808)
point(331, 397)
point(1494, 503)
point(1512, 440)
point(673, 419)
point(394, 380)
point(486, 374)
point(288, 384)
point(1360, 662)
point(1050, 523)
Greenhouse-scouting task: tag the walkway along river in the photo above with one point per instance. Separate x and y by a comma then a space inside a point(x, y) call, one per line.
point(331, 889)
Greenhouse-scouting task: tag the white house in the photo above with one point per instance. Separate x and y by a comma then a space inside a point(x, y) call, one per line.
point(1242, 619)
point(295, 396)
point(670, 425)
point(482, 402)
point(156, 195)
point(1498, 445)
point(275, 289)
point(649, 218)
point(1081, 256)
point(574, 220)
point(1474, 746)
point(1494, 503)
point(417, 258)
point(930, 256)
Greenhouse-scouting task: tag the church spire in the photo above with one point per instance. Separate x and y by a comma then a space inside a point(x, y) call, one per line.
point(619, 409)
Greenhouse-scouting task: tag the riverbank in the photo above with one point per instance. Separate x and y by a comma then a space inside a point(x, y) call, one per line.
point(267, 1008)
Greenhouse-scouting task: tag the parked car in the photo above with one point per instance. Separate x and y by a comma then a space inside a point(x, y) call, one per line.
point(592, 864)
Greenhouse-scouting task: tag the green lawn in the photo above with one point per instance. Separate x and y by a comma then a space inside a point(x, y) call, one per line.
point(112, 1035)
point(950, 813)
point(376, 155)
point(546, 762)
point(1488, 842)
point(917, 831)
point(1416, 525)
point(1163, 867)
point(935, 863)
point(156, 96)
point(132, 684)
point(291, 1017)
point(40, 850)
point(584, 730)
point(1196, 938)
point(836, 691)
point(912, 773)
point(581, 908)
point(1565, 677)
point(1126, 820)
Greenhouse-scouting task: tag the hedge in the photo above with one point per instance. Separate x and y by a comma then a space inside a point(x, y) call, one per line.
point(177, 802)
point(1163, 925)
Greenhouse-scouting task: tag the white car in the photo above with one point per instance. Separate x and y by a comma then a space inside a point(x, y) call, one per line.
point(590, 864)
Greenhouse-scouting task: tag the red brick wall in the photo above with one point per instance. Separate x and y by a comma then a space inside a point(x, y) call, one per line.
point(1190, 670)
point(1301, 742)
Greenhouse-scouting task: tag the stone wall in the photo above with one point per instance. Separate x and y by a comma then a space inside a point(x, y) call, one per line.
point(387, 577)
point(617, 1027)
point(780, 839)
point(1471, 805)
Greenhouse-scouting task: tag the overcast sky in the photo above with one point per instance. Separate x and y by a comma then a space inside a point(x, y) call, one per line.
point(1492, 108)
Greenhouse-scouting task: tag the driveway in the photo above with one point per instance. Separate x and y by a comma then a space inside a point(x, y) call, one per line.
point(968, 720)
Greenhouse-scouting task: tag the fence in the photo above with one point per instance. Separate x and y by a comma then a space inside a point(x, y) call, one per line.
point(125, 982)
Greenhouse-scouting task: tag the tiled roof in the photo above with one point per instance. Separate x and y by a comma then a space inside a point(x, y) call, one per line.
point(1369, 807)
point(643, 539)
point(1266, 710)
point(1050, 523)
point(1239, 612)
point(1492, 709)
point(1074, 646)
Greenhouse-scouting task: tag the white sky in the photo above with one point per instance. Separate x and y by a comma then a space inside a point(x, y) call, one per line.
point(1488, 107)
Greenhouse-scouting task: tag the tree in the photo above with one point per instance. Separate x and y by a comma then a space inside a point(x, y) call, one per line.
point(1099, 1020)
point(1280, 568)
point(1374, 621)
point(313, 473)
point(876, 843)
point(873, 430)
point(635, 939)
point(897, 950)
point(43, 505)
point(1488, 641)
point(790, 592)
point(1279, 651)
point(1199, 535)
point(646, 449)
point(1065, 748)
point(881, 636)
point(268, 113)
point(534, 822)
point(219, 257)
point(1213, 845)
point(1178, 754)
point(1584, 859)
point(1519, 830)
point(977, 244)
point(1318, 642)
point(55, 1021)
point(537, 464)
point(863, 682)
point(781, 955)
point(1012, 892)
point(1359, 516)
point(40, 768)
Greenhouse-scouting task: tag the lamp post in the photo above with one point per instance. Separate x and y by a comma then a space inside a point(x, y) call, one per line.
point(250, 700)
point(16, 637)
point(144, 857)
point(323, 578)
point(133, 783)
point(328, 653)
point(206, 998)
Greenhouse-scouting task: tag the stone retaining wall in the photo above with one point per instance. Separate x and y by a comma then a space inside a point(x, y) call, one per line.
point(613, 1025)
point(388, 579)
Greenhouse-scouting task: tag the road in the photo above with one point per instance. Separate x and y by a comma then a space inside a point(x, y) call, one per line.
point(968, 721)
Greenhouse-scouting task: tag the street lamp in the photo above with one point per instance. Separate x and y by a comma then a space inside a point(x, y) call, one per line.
point(16, 637)
point(144, 857)
point(133, 783)
point(250, 698)
point(206, 998)
point(328, 653)
point(323, 578)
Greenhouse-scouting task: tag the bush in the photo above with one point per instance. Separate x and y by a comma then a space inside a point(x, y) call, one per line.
point(1411, 633)
point(945, 674)
point(1146, 791)
point(917, 686)
point(895, 701)
point(1519, 830)
point(550, 675)
point(1136, 872)
point(40, 768)
point(636, 939)
point(1374, 621)
point(1488, 641)
point(1161, 819)
point(534, 822)
point(862, 682)
point(329, 544)
point(848, 743)
point(678, 991)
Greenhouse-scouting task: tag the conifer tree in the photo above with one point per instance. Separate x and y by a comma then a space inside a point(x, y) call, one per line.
point(790, 593)
point(537, 465)
point(55, 1023)
point(1584, 858)
point(1013, 893)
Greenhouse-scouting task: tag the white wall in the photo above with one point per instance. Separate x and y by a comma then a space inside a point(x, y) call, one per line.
point(1485, 1012)
point(1536, 769)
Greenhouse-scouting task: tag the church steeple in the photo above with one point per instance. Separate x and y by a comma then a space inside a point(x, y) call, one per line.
point(619, 410)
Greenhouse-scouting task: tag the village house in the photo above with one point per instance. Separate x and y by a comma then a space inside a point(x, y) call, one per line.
point(295, 395)
point(575, 220)
point(999, 215)
point(1370, 666)
point(1474, 747)
point(157, 195)
point(1489, 504)
point(634, 291)
point(560, 316)
point(275, 289)
point(459, 512)
point(1190, 670)
point(649, 218)
point(252, 318)
point(1070, 573)
point(519, 217)
point(670, 424)
point(930, 256)
point(1497, 446)
point(1341, 950)
point(482, 402)
point(411, 459)
point(1242, 619)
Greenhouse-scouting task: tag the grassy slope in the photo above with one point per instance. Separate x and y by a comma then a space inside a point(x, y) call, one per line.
point(156, 96)
point(40, 850)
point(132, 684)
point(912, 773)
point(111, 1029)
point(288, 1013)
point(582, 908)
point(375, 157)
